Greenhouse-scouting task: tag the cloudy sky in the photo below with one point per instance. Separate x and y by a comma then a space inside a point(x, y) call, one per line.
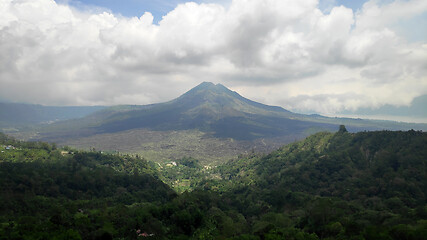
point(329, 56)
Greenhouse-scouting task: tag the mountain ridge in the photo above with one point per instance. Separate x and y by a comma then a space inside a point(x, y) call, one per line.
point(211, 108)
point(21, 114)
point(218, 89)
point(206, 114)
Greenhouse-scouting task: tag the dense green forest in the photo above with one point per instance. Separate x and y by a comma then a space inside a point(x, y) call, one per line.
point(367, 185)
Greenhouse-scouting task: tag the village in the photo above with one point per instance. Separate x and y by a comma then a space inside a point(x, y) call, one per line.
point(8, 147)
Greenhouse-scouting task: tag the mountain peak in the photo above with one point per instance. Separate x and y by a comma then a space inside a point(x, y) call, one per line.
point(205, 89)
point(205, 85)
point(210, 86)
point(218, 101)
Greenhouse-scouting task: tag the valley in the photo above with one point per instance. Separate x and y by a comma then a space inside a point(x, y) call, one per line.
point(164, 146)
point(367, 185)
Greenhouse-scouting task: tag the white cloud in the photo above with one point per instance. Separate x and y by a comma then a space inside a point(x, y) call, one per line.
point(375, 15)
point(287, 53)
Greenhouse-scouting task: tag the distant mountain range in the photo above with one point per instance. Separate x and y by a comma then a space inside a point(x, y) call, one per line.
point(206, 115)
point(416, 112)
point(19, 114)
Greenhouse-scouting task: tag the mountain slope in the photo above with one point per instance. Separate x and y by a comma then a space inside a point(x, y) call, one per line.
point(216, 109)
point(207, 111)
point(338, 186)
point(47, 194)
point(385, 160)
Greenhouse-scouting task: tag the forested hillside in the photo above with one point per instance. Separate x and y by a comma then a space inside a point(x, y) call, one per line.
point(50, 193)
point(368, 185)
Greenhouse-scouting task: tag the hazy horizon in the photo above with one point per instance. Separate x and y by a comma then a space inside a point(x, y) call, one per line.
point(335, 58)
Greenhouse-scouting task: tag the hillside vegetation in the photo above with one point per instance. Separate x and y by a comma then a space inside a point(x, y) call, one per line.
point(367, 185)
point(371, 184)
